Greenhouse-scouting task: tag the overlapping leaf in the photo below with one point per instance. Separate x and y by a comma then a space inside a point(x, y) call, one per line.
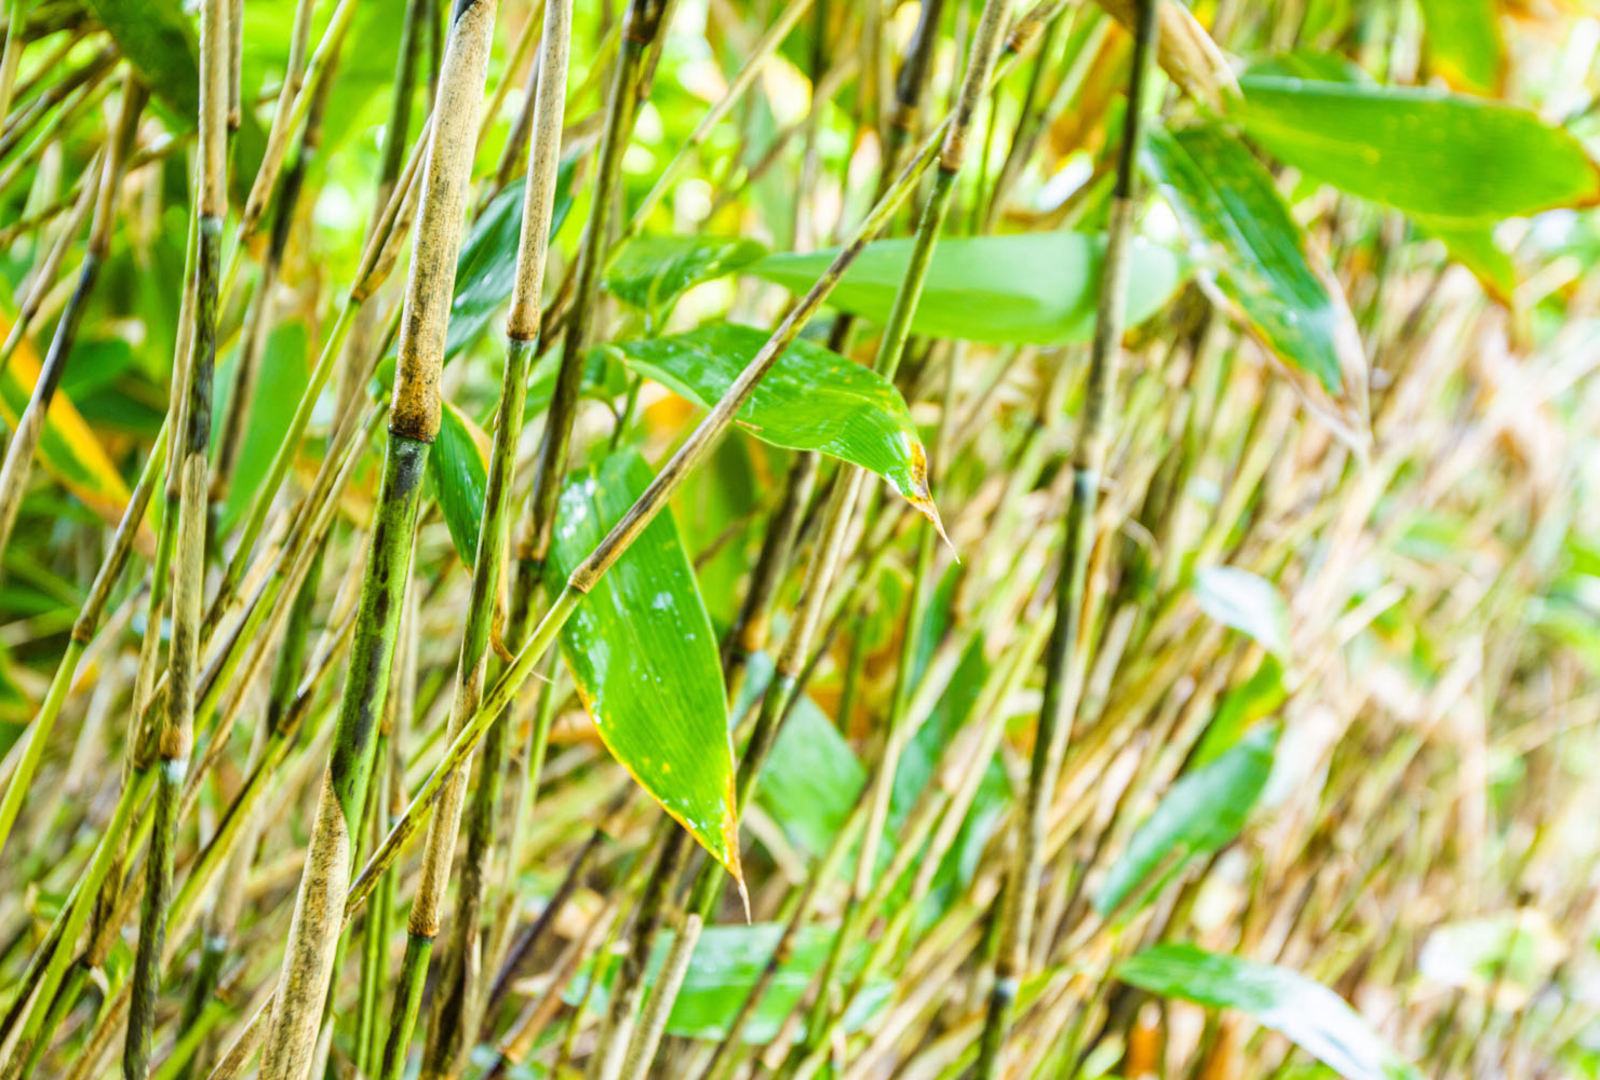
point(1436, 155)
point(1307, 1012)
point(1246, 602)
point(458, 466)
point(1199, 814)
point(727, 963)
point(651, 272)
point(812, 399)
point(644, 658)
point(1260, 257)
point(1031, 288)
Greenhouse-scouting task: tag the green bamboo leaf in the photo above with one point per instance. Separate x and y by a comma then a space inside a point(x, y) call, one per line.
point(652, 272)
point(1287, 1002)
point(1198, 815)
point(1247, 603)
point(1436, 155)
point(459, 467)
point(1464, 43)
point(1036, 288)
point(1257, 698)
point(1474, 247)
point(812, 399)
point(487, 266)
point(1227, 201)
point(727, 962)
point(644, 657)
point(281, 379)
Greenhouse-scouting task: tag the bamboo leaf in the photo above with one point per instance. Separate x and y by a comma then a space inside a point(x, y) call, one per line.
point(727, 962)
point(1464, 44)
point(1287, 1002)
point(69, 450)
point(1037, 288)
point(644, 657)
point(1474, 247)
point(1198, 815)
point(652, 272)
point(1247, 603)
point(1263, 264)
point(1437, 155)
point(487, 266)
point(812, 399)
point(459, 467)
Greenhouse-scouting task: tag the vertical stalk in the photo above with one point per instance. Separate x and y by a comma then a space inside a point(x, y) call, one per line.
point(191, 441)
point(1067, 657)
point(258, 326)
point(522, 333)
point(308, 961)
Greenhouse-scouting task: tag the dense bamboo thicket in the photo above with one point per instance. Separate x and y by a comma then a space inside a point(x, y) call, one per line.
point(779, 538)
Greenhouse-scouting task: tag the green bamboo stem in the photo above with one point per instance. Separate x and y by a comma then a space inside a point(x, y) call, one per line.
point(30, 426)
point(688, 457)
point(11, 53)
point(192, 441)
point(522, 330)
point(258, 324)
point(1067, 660)
point(414, 422)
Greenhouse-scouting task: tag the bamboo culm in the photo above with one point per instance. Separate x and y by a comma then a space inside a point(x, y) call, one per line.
point(414, 422)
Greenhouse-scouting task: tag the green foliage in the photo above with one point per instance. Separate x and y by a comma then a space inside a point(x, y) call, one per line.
point(812, 399)
point(1197, 816)
point(1441, 157)
point(1309, 1013)
point(1029, 288)
point(644, 658)
point(1228, 202)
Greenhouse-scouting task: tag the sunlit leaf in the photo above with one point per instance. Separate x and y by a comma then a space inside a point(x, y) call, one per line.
point(651, 272)
point(1241, 708)
point(727, 962)
point(1432, 154)
point(1199, 814)
point(644, 657)
point(1464, 43)
point(1262, 262)
point(68, 448)
point(1474, 247)
point(812, 399)
point(1305, 1011)
point(1038, 288)
point(1246, 602)
point(458, 465)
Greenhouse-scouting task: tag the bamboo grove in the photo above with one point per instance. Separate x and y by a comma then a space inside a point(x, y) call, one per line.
point(776, 538)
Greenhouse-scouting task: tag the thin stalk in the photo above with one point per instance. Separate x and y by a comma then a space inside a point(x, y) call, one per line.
point(986, 44)
point(414, 422)
point(688, 457)
point(30, 426)
point(258, 325)
point(192, 440)
point(522, 331)
point(1067, 658)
